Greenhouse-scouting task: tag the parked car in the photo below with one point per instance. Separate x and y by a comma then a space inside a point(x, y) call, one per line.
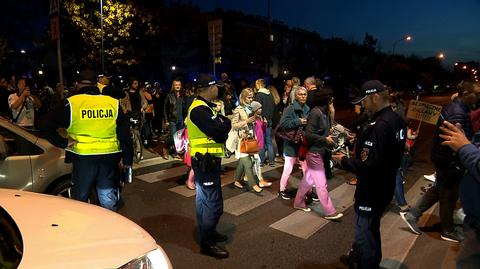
point(30, 162)
point(44, 231)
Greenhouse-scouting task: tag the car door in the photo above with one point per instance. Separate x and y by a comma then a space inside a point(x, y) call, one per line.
point(15, 161)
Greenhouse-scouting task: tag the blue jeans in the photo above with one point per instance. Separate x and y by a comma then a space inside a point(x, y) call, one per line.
point(445, 192)
point(208, 201)
point(399, 190)
point(367, 247)
point(89, 172)
point(174, 127)
point(268, 146)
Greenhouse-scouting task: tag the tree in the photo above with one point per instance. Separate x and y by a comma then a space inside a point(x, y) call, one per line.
point(123, 24)
point(4, 50)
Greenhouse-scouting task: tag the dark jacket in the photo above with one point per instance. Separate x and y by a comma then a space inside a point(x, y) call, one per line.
point(470, 184)
point(170, 108)
point(265, 98)
point(455, 112)
point(378, 152)
point(311, 96)
point(291, 121)
point(318, 127)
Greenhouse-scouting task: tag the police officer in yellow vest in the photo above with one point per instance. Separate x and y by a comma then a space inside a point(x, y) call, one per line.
point(207, 134)
point(98, 138)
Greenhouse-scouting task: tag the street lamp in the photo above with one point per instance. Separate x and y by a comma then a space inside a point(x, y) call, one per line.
point(441, 55)
point(101, 27)
point(173, 68)
point(406, 38)
point(23, 51)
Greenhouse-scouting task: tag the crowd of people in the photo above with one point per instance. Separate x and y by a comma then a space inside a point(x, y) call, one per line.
point(260, 127)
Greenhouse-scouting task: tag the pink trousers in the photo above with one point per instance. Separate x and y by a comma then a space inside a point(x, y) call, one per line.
point(287, 170)
point(315, 175)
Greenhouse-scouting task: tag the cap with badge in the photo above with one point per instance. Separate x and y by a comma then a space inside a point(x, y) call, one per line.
point(87, 77)
point(369, 87)
point(205, 80)
point(105, 74)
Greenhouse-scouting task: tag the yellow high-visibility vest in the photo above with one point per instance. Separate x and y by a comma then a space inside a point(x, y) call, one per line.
point(93, 124)
point(198, 140)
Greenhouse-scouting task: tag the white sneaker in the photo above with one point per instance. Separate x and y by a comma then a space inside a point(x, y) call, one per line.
point(334, 216)
point(431, 177)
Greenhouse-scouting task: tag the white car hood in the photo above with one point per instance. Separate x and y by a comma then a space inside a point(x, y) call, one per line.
point(63, 233)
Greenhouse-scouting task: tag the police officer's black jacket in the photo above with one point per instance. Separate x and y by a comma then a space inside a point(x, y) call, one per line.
point(378, 152)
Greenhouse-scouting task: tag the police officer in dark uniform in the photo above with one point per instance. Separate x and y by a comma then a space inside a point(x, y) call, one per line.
point(378, 152)
point(207, 133)
point(98, 138)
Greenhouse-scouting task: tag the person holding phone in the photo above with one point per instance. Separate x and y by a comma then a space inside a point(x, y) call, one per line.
point(23, 104)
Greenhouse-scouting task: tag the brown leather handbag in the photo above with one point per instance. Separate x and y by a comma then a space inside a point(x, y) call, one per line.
point(249, 145)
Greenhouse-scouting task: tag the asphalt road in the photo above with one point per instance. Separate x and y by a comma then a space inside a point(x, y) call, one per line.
point(266, 232)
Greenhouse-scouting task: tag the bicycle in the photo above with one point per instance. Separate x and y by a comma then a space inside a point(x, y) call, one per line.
point(135, 127)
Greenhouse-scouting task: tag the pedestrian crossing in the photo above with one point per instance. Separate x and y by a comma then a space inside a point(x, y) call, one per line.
point(397, 240)
point(226, 180)
point(304, 225)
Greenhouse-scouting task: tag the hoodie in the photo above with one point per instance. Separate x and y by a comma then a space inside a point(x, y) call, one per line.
point(268, 105)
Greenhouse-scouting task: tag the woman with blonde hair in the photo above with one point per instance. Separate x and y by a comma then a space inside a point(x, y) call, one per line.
point(242, 127)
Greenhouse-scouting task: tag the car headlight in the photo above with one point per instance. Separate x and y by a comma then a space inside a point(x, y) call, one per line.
point(154, 259)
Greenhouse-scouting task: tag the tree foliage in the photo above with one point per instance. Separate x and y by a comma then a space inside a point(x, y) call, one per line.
point(123, 23)
point(4, 50)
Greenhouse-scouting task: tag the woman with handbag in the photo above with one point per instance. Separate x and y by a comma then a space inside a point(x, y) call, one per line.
point(242, 124)
point(293, 119)
point(318, 138)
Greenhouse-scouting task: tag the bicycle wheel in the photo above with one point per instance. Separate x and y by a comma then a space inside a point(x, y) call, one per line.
point(137, 146)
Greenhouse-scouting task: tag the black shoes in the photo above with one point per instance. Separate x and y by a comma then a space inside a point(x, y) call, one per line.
point(284, 195)
point(313, 196)
point(214, 251)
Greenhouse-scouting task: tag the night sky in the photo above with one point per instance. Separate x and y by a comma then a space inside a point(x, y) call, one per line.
point(448, 26)
point(436, 26)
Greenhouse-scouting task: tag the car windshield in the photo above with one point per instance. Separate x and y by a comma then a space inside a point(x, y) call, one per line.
point(11, 246)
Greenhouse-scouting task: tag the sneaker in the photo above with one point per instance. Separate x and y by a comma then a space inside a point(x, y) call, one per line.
point(238, 184)
point(352, 181)
point(456, 235)
point(411, 221)
point(284, 195)
point(404, 208)
point(334, 216)
point(264, 184)
point(314, 197)
point(431, 177)
point(304, 209)
point(257, 189)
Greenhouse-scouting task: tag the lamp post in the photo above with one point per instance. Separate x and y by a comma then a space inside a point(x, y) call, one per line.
point(406, 38)
point(102, 33)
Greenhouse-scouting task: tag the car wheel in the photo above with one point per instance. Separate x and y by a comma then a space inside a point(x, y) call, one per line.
point(64, 188)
